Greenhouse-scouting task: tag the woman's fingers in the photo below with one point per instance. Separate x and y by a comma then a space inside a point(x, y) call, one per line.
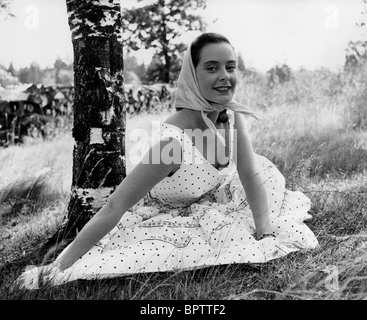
point(29, 279)
point(265, 235)
point(32, 276)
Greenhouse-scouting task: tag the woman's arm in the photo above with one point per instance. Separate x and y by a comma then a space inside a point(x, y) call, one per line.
point(250, 177)
point(135, 186)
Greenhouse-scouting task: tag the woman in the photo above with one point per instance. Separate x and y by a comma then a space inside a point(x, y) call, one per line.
point(208, 200)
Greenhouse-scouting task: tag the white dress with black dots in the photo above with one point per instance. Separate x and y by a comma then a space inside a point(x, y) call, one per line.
point(197, 217)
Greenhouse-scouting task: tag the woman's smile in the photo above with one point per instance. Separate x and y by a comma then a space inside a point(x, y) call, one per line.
point(223, 89)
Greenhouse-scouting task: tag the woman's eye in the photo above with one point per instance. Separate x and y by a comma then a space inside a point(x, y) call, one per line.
point(231, 68)
point(212, 68)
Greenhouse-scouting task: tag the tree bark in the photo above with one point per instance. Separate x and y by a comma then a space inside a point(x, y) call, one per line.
point(164, 42)
point(99, 109)
point(167, 68)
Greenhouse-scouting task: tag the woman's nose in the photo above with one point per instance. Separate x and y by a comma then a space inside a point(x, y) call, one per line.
point(224, 75)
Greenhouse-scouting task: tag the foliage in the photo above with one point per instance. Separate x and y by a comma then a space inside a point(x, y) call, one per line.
point(5, 10)
point(279, 74)
point(60, 74)
point(159, 24)
point(156, 71)
point(134, 72)
point(355, 54)
point(6, 78)
point(354, 92)
point(310, 120)
point(241, 63)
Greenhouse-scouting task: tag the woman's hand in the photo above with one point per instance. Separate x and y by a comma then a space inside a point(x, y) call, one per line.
point(33, 276)
point(264, 228)
point(263, 231)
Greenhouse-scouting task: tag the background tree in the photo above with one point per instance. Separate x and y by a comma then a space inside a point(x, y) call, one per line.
point(99, 109)
point(134, 72)
point(279, 75)
point(363, 23)
point(61, 74)
point(12, 70)
point(31, 74)
point(158, 25)
point(156, 71)
point(356, 51)
point(6, 78)
point(58, 66)
point(355, 55)
point(241, 63)
point(5, 11)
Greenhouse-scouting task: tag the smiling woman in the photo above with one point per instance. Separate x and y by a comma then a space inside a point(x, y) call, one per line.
point(195, 213)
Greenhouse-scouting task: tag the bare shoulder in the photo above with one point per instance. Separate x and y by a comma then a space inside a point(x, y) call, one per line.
point(239, 117)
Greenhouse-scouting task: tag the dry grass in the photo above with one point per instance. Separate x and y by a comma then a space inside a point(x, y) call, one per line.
point(309, 132)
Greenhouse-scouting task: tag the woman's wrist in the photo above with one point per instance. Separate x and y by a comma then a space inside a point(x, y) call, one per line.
point(264, 235)
point(58, 265)
point(262, 223)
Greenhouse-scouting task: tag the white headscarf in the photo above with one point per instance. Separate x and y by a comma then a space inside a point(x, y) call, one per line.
point(189, 96)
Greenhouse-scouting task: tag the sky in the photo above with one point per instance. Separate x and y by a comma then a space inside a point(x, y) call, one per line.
point(301, 33)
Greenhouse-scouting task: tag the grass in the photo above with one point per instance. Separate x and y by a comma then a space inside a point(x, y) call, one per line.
point(313, 130)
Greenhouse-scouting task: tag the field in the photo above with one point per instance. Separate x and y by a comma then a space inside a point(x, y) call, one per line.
point(314, 130)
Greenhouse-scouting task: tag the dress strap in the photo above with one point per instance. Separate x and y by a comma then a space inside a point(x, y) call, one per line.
point(171, 131)
point(231, 133)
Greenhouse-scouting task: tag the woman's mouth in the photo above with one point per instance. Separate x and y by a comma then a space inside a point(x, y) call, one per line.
point(223, 89)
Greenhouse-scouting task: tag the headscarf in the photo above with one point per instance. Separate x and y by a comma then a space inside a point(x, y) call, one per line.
point(189, 96)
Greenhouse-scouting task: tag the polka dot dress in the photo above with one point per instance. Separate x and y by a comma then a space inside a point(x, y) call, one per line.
point(197, 217)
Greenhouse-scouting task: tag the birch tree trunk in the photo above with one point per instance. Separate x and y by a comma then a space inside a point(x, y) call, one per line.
point(99, 108)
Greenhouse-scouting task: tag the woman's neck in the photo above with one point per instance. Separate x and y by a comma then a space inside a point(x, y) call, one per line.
point(213, 116)
point(193, 119)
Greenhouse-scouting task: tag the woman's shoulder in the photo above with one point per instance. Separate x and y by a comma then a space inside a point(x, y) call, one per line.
point(183, 119)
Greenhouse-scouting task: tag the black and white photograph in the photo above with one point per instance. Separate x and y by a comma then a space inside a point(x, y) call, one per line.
point(187, 155)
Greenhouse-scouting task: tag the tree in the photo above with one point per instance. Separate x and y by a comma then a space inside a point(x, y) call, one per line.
point(156, 71)
point(356, 51)
point(31, 74)
point(35, 73)
point(355, 55)
point(6, 78)
point(5, 10)
point(279, 75)
point(99, 109)
point(363, 23)
point(12, 70)
point(158, 25)
point(133, 70)
point(241, 63)
point(58, 66)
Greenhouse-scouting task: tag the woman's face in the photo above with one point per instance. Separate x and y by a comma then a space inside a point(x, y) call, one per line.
point(217, 73)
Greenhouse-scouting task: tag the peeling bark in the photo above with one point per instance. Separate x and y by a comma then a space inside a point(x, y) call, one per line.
point(99, 108)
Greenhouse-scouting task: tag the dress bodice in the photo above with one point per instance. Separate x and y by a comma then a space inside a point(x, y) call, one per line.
point(195, 176)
